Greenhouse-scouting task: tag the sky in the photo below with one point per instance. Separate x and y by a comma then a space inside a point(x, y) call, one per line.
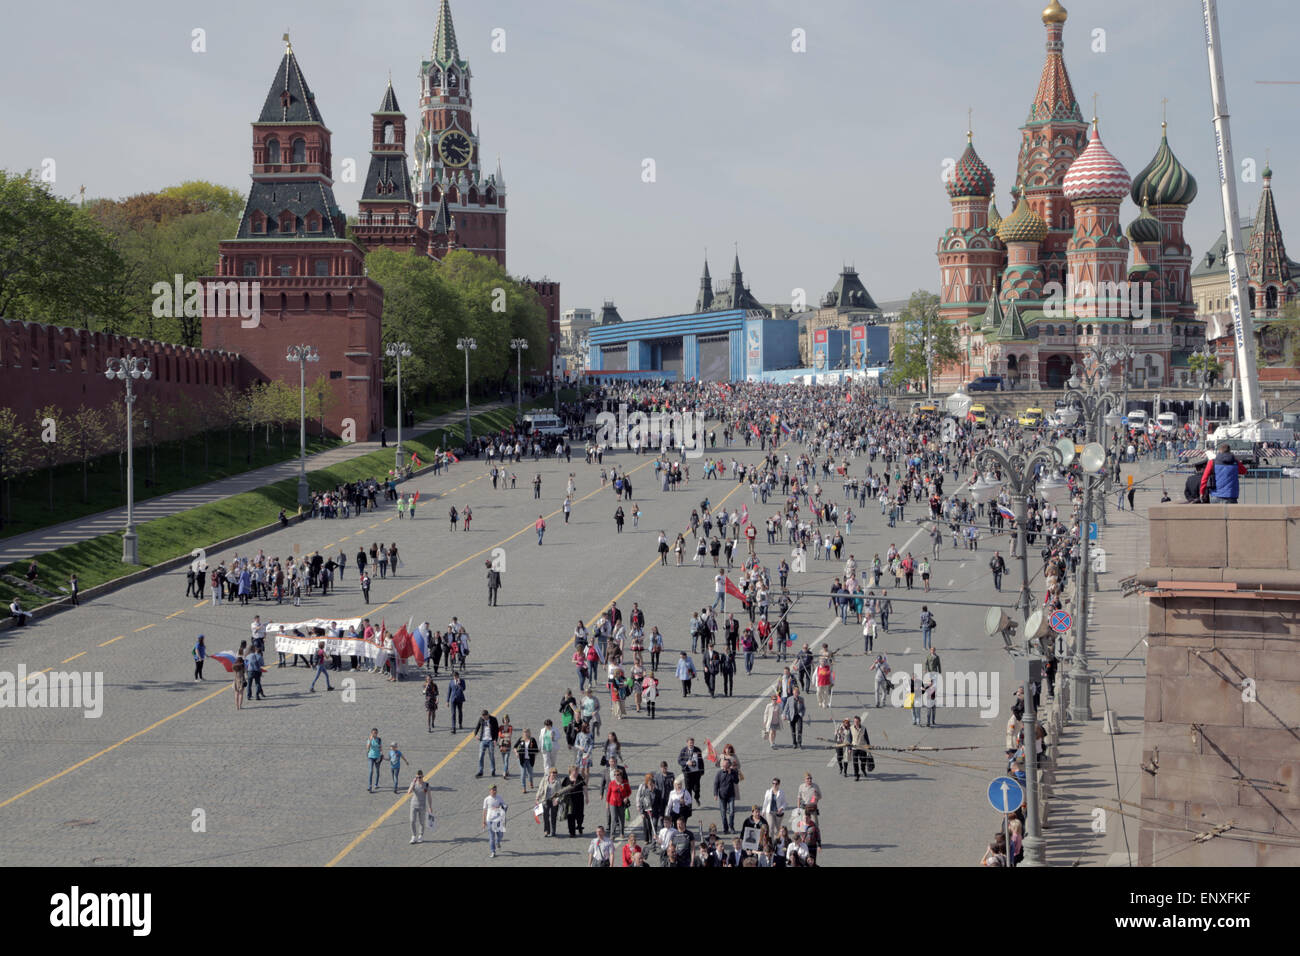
point(804, 160)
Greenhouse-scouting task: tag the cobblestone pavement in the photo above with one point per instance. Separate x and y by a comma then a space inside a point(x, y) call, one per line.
point(172, 774)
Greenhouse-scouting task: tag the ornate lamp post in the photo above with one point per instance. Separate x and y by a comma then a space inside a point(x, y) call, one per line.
point(467, 345)
point(520, 346)
point(398, 351)
point(1020, 471)
point(302, 354)
point(128, 370)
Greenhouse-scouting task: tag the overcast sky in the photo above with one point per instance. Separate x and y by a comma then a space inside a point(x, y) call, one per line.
point(808, 160)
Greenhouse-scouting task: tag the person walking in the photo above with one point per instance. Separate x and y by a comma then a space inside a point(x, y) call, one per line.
point(374, 754)
point(861, 743)
point(772, 720)
point(793, 710)
point(253, 667)
point(493, 584)
point(685, 673)
point(547, 802)
point(617, 794)
point(365, 586)
point(927, 626)
point(239, 681)
point(572, 798)
point(691, 760)
point(74, 588)
point(825, 678)
point(650, 693)
point(773, 806)
point(526, 750)
point(999, 567)
point(430, 700)
point(200, 655)
point(540, 527)
point(321, 662)
point(618, 519)
point(485, 732)
point(421, 806)
point(494, 819)
point(456, 700)
point(726, 788)
point(395, 758)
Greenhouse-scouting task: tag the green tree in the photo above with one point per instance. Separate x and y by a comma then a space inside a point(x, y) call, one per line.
point(56, 263)
point(919, 320)
point(87, 438)
point(1199, 363)
point(201, 196)
point(16, 454)
point(51, 429)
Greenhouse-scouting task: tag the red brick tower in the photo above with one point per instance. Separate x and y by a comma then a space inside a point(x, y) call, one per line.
point(291, 247)
point(970, 254)
point(386, 212)
point(1051, 138)
point(448, 163)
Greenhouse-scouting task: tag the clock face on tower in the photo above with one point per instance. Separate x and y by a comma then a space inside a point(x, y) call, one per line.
point(455, 148)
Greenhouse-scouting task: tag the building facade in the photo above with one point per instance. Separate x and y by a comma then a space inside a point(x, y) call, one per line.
point(1030, 293)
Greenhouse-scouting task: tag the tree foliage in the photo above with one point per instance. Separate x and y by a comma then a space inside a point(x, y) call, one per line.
point(430, 305)
point(919, 319)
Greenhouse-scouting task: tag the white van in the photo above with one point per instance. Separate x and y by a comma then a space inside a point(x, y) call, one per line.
point(546, 423)
point(1137, 420)
point(1168, 423)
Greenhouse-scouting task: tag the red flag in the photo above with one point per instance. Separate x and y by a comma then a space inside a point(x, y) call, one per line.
point(713, 756)
point(417, 497)
point(403, 646)
point(744, 514)
point(733, 590)
point(453, 458)
point(754, 428)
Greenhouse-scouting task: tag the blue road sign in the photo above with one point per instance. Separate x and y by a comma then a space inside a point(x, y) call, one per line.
point(1061, 621)
point(1123, 419)
point(1092, 531)
point(1006, 794)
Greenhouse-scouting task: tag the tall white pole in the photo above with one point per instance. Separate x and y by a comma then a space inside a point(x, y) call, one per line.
point(1243, 328)
point(130, 552)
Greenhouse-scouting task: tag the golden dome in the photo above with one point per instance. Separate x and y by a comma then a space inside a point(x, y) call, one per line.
point(1055, 13)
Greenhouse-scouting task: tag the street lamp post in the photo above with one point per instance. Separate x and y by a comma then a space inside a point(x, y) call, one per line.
point(467, 345)
point(398, 351)
point(302, 354)
point(1088, 389)
point(128, 370)
point(1080, 679)
point(1019, 470)
point(520, 346)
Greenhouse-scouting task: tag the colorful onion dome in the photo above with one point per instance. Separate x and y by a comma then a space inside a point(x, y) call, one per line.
point(1165, 181)
point(995, 217)
point(1054, 13)
point(1095, 174)
point(971, 177)
point(1023, 225)
point(1145, 228)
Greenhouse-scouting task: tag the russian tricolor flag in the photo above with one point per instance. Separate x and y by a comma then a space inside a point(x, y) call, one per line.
point(1006, 513)
point(785, 429)
point(227, 659)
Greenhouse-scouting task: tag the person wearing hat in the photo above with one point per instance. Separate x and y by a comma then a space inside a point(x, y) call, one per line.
point(494, 819)
point(421, 806)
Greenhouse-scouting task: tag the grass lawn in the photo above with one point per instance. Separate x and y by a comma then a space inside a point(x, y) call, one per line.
point(99, 560)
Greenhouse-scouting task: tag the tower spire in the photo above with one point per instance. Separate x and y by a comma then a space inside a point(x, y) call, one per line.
point(444, 36)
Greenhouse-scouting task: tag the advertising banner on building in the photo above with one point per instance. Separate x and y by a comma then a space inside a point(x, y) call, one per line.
point(753, 347)
point(819, 356)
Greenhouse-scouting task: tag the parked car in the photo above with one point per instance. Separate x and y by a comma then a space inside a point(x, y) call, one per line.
point(985, 383)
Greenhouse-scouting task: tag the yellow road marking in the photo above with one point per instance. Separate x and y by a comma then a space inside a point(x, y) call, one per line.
point(145, 628)
point(73, 657)
point(564, 648)
point(175, 614)
point(110, 641)
point(33, 677)
point(200, 604)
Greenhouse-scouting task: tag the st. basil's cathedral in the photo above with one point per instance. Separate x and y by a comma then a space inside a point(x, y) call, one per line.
point(1029, 294)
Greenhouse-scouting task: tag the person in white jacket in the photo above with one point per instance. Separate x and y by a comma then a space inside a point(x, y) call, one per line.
point(772, 720)
point(773, 806)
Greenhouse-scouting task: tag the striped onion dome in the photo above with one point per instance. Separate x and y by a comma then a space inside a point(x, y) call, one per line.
point(1165, 181)
point(1095, 174)
point(971, 177)
point(1145, 228)
point(1023, 225)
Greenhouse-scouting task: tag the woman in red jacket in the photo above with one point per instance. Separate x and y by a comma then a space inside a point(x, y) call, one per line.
point(617, 792)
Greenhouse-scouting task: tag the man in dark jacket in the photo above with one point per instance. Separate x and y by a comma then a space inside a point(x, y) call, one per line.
point(493, 584)
point(691, 760)
point(485, 732)
point(1226, 471)
point(726, 787)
